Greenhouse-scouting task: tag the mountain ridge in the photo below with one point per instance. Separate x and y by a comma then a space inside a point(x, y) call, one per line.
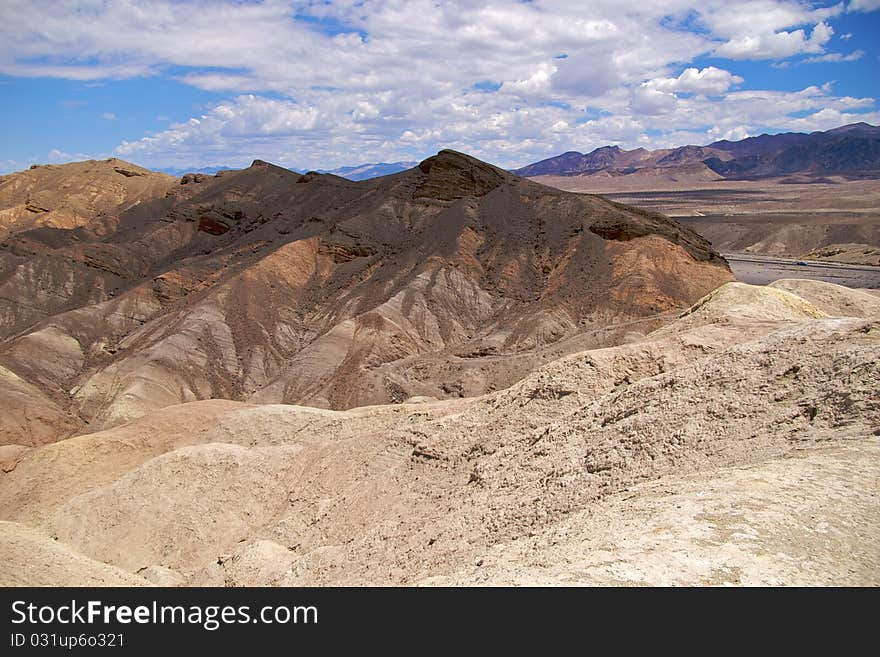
point(265, 285)
point(852, 150)
point(355, 172)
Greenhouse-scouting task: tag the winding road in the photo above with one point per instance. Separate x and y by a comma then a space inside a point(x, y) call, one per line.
point(760, 270)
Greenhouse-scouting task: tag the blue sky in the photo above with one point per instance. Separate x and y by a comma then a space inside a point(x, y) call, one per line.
point(324, 84)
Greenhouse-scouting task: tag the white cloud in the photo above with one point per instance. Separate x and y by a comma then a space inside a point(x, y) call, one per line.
point(771, 29)
point(710, 81)
point(658, 96)
point(538, 82)
point(651, 101)
point(836, 57)
point(827, 118)
point(58, 156)
point(393, 79)
point(109, 116)
point(622, 130)
point(249, 127)
point(735, 133)
point(244, 121)
point(771, 45)
point(864, 5)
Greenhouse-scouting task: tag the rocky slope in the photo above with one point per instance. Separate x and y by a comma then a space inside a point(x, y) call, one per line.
point(82, 195)
point(853, 254)
point(450, 279)
point(223, 492)
point(806, 519)
point(266, 378)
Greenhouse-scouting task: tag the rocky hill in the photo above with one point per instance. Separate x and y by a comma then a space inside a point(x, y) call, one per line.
point(735, 445)
point(447, 375)
point(450, 279)
point(81, 195)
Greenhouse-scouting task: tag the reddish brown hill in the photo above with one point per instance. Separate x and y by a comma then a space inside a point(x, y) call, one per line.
point(85, 195)
point(452, 278)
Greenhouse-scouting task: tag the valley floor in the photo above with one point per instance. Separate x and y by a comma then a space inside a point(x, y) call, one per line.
point(761, 270)
point(835, 219)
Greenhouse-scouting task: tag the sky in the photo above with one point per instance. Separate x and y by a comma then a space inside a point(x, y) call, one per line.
point(322, 84)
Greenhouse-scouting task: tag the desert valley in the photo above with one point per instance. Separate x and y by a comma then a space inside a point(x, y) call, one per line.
point(450, 375)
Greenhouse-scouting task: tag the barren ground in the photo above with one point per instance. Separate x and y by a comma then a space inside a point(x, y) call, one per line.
point(506, 399)
point(721, 197)
point(836, 220)
point(809, 518)
point(737, 444)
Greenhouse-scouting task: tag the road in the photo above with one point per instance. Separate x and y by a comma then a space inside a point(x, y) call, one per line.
point(760, 270)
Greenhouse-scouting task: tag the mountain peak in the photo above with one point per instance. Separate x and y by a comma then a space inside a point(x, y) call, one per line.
point(455, 159)
point(860, 129)
point(452, 175)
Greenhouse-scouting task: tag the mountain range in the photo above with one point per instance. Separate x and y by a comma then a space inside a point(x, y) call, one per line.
point(178, 172)
point(356, 172)
point(852, 151)
point(367, 171)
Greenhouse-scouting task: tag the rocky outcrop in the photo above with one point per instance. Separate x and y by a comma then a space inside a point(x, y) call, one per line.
point(452, 175)
point(212, 226)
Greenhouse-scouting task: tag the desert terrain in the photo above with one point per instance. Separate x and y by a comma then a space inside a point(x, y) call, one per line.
point(448, 376)
point(714, 450)
point(834, 219)
point(761, 270)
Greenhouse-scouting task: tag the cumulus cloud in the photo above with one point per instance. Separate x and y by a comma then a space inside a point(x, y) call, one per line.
point(650, 101)
point(771, 29)
point(538, 82)
point(710, 81)
point(244, 121)
point(769, 45)
point(658, 96)
point(323, 84)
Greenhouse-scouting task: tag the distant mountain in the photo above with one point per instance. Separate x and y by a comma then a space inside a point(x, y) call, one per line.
point(367, 171)
point(358, 172)
point(851, 150)
point(573, 163)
